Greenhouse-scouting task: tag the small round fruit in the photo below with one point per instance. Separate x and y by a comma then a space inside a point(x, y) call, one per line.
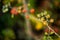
point(14, 11)
point(45, 22)
point(27, 16)
point(52, 33)
point(32, 10)
point(45, 12)
point(42, 19)
point(24, 10)
point(51, 20)
point(39, 26)
point(56, 30)
point(41, 14)
point(48, 16)
point(12, 16)
point(19, 11)
point(20, 7)
point(28, 4)
point(38, 15)
point(46, 33)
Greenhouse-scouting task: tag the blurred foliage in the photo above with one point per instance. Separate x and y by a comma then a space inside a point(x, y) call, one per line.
point(8, 24)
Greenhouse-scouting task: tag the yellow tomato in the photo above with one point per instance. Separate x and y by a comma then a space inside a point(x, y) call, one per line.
point(39, 26)
point(51, 20)
point(45, 23)
point(19, 11)
point(42, 19)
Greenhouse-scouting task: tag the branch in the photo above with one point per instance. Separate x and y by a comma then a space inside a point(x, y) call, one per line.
point(53, 31)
